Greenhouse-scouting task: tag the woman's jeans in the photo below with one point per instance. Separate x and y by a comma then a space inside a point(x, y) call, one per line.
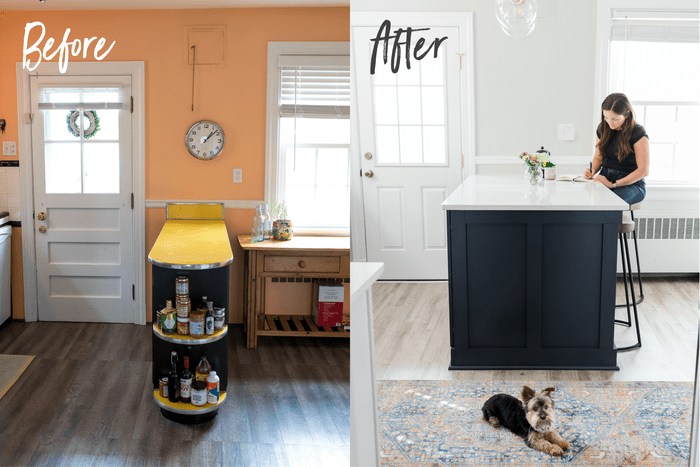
point(631, 194)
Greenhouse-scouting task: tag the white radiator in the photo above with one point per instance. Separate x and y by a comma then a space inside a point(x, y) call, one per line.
point(666, 245)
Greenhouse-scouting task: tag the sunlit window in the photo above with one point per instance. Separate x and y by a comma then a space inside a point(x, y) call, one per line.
point(655, 61)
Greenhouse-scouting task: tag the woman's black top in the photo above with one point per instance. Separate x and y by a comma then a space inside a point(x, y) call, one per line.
point(629, 163)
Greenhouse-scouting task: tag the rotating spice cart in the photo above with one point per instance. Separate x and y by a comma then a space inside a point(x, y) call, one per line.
point(194, 243)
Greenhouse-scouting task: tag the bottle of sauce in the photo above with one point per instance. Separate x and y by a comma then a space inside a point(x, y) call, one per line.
point(212, 388)
point(209, 319)
point(173, 379)
point(183, 306)
point(203, 306)
point(168, 323)
point(186, 380)
point(203, 369)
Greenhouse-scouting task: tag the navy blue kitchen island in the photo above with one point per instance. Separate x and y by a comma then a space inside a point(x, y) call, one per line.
point(532, 274)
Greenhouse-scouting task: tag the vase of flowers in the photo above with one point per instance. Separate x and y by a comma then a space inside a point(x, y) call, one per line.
point(533, 166)
point(282, 227)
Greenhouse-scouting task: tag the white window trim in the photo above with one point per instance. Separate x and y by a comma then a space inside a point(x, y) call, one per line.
point(662, 189)
point(274, 50)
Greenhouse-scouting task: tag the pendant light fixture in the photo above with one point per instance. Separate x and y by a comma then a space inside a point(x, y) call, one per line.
point(516, 17)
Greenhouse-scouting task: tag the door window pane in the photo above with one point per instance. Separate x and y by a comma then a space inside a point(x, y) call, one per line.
point(108, 120)
point(101, 167)
point(409, 105)
point(415, 101)
point(78, 158)
point(387, 145)
point(63, 167)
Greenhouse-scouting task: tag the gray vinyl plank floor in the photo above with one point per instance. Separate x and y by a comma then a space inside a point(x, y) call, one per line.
point(87, 400)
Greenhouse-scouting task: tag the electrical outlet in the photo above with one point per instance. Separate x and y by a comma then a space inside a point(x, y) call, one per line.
point(9, 148)
point(566, 131)
point(237, 175)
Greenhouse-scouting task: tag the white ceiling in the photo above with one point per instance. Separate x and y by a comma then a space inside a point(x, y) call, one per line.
point(158, 4)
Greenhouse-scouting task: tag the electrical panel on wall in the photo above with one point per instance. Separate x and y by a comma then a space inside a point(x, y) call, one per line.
point(209, 44)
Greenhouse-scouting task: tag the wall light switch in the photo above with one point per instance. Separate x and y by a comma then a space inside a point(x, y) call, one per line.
point(9, 148)
point(237, 175)
point(566, 131)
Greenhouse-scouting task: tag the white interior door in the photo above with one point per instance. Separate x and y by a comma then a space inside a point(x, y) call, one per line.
point(83, 198)
point(411, 147)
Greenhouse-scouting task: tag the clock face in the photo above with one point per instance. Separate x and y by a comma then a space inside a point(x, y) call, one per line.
point(205, 140)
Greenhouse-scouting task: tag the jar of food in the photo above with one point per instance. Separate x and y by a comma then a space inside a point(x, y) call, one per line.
point(219, 318)
point(197, 323)
point(183, 306)
point(183, 326)
point(199, 393)
point(182, 285)
point(163, 387)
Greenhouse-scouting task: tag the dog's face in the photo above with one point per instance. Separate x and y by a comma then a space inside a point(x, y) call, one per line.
point(539, 408)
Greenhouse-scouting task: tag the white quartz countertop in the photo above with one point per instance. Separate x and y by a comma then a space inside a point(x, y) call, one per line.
point(514, 193)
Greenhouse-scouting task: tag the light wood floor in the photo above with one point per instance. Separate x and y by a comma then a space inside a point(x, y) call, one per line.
point(412, 340)
point(87, 400)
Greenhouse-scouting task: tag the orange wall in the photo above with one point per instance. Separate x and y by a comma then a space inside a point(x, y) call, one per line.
point(233, 94)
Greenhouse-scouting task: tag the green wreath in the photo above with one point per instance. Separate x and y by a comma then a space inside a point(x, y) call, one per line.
point(74, 129)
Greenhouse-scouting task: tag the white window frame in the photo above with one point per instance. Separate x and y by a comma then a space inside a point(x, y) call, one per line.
point(655, 190)
point(272, 164)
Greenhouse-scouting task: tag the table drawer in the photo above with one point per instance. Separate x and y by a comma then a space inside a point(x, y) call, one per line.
point(274, 263)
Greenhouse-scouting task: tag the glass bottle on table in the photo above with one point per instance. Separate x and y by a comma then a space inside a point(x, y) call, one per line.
point(267, 222)
point(257, 231)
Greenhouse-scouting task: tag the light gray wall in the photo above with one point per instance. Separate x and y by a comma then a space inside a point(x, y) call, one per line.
point(524, 88)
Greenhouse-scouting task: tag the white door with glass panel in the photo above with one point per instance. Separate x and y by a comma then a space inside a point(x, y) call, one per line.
point(81, 141)
point(411, 150)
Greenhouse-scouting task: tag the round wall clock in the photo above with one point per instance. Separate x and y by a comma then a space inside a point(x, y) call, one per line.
point(205, 140)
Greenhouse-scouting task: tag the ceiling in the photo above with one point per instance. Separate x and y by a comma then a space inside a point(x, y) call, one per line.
point(159, 4)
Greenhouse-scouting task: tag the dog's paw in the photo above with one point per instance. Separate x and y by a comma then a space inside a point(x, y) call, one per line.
point(556, 451)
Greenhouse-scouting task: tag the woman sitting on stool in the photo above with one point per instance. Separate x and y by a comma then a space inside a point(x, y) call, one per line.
point(622, 150)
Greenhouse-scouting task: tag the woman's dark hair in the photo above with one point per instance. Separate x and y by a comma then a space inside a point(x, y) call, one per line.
point(619, 104)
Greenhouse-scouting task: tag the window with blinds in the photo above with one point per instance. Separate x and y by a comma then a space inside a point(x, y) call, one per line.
point(313, 158)
point(313, 89)
point(655, 61)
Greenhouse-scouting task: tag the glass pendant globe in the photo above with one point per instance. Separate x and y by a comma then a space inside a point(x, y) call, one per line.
point(516, 17)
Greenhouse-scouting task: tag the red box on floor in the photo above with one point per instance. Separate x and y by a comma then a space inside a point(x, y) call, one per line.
point(328, 305)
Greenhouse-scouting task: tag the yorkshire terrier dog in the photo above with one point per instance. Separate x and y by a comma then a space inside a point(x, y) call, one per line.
point(530, 418)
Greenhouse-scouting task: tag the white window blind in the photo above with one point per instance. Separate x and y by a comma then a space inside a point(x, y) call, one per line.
point(315, 86)
point(655, 26)
point(81, 97)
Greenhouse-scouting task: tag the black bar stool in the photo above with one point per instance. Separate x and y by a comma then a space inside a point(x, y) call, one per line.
point(624, 228)
point(634, 207)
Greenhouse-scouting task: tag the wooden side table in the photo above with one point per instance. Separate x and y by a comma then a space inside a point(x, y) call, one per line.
point(278, 278)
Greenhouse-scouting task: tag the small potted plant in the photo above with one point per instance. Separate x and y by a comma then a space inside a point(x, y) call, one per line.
point(281, 227)
point(550, 171)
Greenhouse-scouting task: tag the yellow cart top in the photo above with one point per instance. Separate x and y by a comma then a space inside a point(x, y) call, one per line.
point(192, 244)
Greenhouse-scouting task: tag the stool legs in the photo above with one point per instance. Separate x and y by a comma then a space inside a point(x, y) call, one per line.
point(627, 276)
point(639, 270)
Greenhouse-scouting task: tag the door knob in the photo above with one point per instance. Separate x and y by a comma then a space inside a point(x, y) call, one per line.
point(41, 216)
point(42, 229)
point(369, 174)
point(302, 264)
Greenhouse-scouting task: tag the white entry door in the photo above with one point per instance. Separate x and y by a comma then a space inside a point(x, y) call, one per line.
point(81, 142)
point(411, 144)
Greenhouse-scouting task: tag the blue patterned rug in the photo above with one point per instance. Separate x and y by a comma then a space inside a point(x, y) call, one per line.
point(439, 423)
